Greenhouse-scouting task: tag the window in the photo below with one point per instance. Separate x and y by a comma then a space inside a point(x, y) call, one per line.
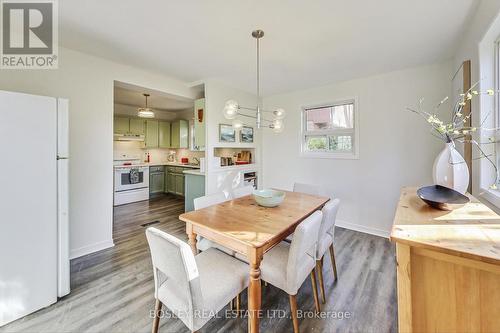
point(330, 130)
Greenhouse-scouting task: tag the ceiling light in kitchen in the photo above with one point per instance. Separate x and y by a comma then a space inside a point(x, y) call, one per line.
point(145, 112)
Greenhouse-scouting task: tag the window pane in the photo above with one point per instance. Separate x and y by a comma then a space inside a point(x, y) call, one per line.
point(332, 143)
point(340, 143)
point(315, 143)
point(338, 116)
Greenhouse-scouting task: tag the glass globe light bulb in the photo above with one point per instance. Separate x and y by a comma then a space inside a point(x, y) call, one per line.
point(231, 109)
point(279, 113)
point(278, 126)
point(237, 124)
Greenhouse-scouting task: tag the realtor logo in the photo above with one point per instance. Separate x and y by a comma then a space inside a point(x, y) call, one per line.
point(29, 34)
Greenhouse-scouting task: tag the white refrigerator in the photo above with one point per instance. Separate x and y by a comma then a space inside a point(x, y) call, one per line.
point(34, 225)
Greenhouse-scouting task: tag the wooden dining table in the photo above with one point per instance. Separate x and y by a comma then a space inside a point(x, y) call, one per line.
point(251, 230)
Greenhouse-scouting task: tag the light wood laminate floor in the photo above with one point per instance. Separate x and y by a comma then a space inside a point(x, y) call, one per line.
point(112, 290)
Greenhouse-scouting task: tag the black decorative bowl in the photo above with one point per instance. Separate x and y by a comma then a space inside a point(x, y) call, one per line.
point(441, 197)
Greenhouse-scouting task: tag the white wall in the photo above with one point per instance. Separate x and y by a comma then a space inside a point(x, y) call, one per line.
point(478, 47)
point(396, 148)
point(216, 95)
point(88, 83)
point(131, 111)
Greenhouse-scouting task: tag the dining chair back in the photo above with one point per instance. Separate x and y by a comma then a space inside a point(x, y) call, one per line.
point(193, 288)
point(327, 229)
point(326, 238)
point(243, 191)
point(306, 188)
point(210, 200)
point(174, 261)
point(302, 253)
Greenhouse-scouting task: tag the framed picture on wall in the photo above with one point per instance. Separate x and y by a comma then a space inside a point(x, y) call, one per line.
point(227, 133)
point(246, 134)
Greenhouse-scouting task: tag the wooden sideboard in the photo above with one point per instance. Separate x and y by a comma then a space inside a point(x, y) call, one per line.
point(448, 266)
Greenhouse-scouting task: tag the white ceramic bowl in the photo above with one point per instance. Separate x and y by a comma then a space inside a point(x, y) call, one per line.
point(268, 198)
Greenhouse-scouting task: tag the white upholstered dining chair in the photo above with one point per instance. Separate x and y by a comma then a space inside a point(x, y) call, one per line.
point(287, 265)
point(242, 191)
point(306, 188)
point(194, 288)
point(202, 243)
point(325, 241)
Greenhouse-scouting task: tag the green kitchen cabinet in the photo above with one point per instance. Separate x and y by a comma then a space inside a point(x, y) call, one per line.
point(137, 126)
point(174, 182)
point(151, 140)
point(156, 179)
point(194, 188)
point(199, 125)
point(164, 134)
point(170, 183)
point(121, 125)
point(179, 184)
point(179, 134)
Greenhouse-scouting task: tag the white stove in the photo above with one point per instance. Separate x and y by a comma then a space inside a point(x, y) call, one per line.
point(131, 181)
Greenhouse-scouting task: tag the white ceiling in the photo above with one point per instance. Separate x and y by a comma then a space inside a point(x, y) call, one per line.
point(133, 96)
point(307, 43)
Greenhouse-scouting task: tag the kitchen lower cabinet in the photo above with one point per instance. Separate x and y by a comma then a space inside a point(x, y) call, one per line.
point(170, 183)
point(174, 180)
point(179, 184)
point(156, 179)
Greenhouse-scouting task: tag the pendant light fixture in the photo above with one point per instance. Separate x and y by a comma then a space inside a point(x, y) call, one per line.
point(145, 112)
point(232, 109)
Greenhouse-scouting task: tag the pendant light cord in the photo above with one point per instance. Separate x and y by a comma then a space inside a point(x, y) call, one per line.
point(258, 73)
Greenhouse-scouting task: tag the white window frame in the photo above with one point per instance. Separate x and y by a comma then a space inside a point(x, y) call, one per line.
point(354, 154)
point(488, 62)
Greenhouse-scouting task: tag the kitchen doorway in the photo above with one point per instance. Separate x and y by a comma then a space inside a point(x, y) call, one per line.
point(157, 141)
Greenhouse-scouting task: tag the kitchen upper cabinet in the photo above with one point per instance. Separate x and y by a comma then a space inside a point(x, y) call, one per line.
point(121, 125)
point(164, 134)
point(199, 124)
point(151, 140)
point(137, 126)
point(179, 135)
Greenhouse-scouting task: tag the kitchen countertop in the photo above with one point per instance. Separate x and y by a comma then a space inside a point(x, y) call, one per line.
point(194, 172)
point(160, 164)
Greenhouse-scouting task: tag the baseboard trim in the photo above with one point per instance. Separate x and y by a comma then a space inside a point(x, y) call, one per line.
point(84, 250)
point(362, 228)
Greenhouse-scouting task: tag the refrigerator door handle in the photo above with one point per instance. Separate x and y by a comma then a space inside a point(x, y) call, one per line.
point(62, 158)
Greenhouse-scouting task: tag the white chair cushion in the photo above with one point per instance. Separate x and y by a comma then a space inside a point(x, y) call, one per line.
point(221, 279)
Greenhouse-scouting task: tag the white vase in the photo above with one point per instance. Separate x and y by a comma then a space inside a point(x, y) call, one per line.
point(450, 169)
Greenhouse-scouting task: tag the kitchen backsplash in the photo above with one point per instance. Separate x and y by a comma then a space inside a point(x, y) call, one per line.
point(158, 155)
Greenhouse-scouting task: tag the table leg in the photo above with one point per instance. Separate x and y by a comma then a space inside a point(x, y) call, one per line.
point(254, 291)
point(191, 238)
